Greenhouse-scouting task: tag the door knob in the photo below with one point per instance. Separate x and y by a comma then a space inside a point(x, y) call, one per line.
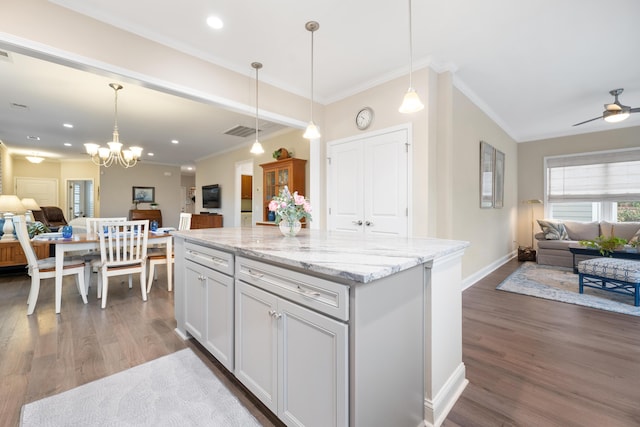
point(368, 223)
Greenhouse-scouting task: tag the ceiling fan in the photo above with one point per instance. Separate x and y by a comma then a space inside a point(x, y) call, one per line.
point(614, 112)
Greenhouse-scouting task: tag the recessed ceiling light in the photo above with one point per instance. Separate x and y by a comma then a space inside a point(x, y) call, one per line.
point(189, 168)
point(215, 22)
point(33, 138)
point(68, 125)
point(174, 141)
point(150, 154)
point(67, 144)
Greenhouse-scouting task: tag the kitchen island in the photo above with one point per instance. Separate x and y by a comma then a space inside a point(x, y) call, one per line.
point(326, 328)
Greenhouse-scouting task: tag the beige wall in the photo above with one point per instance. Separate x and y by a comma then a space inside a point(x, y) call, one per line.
point(531, 165)
point(221, 169)
point(491, 231)
point(116, 190)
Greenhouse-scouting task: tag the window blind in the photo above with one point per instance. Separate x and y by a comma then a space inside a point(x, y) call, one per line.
point(594, 177)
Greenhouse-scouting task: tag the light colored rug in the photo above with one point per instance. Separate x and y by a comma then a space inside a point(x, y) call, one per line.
point(174, 390)
point(561, 284)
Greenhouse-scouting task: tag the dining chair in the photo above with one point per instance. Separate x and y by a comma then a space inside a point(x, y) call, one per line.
point(123, 251)
point(159, 256)
point(40, 269)
point(91, 224)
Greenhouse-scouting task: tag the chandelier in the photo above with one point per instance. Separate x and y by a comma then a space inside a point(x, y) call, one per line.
point(113, 153)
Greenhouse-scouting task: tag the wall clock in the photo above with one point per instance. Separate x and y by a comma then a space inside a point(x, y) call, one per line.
point(364, 118)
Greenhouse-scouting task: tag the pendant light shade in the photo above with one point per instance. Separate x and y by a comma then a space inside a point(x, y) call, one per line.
point(411, 102)
point(256, 148)
point(312, 131)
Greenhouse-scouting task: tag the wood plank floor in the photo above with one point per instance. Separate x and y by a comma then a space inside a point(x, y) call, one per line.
point(530, 362)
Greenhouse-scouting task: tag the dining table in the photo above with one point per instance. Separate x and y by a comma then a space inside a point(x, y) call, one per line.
point(91, 241)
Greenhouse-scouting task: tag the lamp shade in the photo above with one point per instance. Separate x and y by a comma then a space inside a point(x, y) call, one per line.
point(30, 204)
point(11, 203)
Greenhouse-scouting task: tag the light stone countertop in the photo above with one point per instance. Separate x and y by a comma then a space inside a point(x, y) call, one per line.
point(355, 257)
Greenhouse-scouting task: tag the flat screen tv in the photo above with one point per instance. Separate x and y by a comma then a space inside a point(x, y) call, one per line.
point(211, 196)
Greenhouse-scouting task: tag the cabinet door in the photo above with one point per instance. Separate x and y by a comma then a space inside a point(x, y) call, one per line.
point(219, 315)
point(312, 368)
point(194, 284)
point(256, 342)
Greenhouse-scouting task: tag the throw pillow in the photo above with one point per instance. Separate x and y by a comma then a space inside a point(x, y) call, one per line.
point(553, 230)
point(623, 230)
point(577, 230)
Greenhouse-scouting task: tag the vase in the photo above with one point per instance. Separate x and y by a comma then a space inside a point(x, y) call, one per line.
point(290, 229)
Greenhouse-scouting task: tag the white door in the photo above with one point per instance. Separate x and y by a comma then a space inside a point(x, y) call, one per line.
point(43, 190)
point(368, 184)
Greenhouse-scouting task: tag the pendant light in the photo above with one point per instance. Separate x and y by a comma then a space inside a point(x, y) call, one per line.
point(256, 148)
point(114, 154)
point(312, 131)
point(411, 102)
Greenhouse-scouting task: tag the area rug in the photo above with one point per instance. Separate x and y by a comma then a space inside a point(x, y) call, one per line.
point(561, 284)
point(174, 390)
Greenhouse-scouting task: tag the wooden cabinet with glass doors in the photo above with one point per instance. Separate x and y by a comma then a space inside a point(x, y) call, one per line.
point(289, 172)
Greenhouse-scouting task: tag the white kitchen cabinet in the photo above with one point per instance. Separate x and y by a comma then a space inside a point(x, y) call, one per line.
point(293, 359)
point(209, 301)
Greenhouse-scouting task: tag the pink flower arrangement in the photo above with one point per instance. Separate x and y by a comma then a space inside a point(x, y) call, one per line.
point(290, 207)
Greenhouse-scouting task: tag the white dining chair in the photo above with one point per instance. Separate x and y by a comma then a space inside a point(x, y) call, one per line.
point(123, 250)
point(159, 257)
point(40, 269)
point(91, 224)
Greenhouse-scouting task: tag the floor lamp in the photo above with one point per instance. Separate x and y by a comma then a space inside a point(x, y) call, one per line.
point(531, 203)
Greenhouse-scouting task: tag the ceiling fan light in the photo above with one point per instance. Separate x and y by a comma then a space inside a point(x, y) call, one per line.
point(615, 117)
point(256, 148)
point(312, 131)
point(411, 102)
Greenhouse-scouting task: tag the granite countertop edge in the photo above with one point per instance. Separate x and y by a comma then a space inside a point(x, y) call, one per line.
point(350, 257)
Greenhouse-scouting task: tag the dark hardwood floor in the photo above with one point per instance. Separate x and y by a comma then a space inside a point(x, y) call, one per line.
point(530, 362)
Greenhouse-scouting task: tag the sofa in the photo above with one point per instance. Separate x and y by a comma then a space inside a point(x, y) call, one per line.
point(557, 235)
point(51, 216)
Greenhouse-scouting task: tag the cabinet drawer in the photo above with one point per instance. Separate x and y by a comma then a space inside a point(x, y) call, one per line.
point(209, 257)
point(318, 294)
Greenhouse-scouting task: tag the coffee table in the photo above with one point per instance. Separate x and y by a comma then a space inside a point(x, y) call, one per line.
point(592, 252)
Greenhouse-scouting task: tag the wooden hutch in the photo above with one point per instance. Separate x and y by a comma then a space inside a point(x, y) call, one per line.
point(289, 172)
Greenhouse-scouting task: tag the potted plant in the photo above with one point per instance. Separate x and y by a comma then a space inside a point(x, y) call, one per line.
point(281, 154)
point(605, 244)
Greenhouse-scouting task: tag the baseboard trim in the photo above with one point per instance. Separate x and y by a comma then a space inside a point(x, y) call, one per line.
point(473, 279)
point(436, 410)
point(182, 335)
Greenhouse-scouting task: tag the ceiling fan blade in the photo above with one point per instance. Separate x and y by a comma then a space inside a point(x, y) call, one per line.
point(587, 121)
point(635, 110)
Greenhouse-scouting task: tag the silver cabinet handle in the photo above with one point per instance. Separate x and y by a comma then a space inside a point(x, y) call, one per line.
point(368, 223)
point(308, 293)
point(275, 314)
point(254, 274)
point(358, 222)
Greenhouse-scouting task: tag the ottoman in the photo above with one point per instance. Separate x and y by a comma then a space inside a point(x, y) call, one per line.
point(621, 276)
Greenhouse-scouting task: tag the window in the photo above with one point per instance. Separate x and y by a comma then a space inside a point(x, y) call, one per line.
point(594, 186)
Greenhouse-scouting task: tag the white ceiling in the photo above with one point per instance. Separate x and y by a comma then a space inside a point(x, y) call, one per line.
point(536, 68)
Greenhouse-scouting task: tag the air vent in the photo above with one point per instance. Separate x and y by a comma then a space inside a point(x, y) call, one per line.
point(241, 131)
point(17, 106)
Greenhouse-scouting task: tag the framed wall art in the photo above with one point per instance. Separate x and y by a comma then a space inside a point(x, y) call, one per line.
point(498, 179)
point(486, 175)
point(144, 194)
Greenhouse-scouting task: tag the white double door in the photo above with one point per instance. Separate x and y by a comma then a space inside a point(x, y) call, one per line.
point(369, 184)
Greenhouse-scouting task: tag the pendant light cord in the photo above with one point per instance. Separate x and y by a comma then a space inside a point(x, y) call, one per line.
point(410, 48)
point(312, 31)
point(256, 103)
